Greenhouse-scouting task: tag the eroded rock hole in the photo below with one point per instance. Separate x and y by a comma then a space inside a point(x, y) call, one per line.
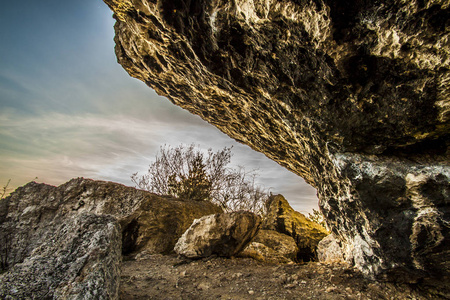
point(306, 255)
point(129, 237)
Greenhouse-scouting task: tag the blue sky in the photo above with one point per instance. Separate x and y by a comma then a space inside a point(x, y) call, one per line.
point(67, 109)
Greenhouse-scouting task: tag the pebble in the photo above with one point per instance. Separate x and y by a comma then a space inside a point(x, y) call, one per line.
point(203, 286)
point(291, 285)
point(330, 289)
point(251, 292)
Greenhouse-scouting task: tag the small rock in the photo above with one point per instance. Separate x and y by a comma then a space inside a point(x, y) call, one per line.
point(203, 286)
point(330, 289)
point(291, 285)
point(251, 292)
point(144, 255)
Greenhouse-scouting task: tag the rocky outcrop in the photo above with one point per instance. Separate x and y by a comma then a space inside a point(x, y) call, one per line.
point(148, 221)
point(329, 250)
point(351, 95)
point(281, 217)
point(271, 247)
point(69, 240)
point(79, 261)
point(220, 234)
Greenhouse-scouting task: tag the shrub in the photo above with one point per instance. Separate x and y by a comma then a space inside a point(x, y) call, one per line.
point(188, 173)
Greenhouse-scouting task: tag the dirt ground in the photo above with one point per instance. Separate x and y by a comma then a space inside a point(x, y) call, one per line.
point(170, 277)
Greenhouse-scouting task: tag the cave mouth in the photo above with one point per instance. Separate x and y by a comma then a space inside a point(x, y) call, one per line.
point(129, 237)
point(306, 255)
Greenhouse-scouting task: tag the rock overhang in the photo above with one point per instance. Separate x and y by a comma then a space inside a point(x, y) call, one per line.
point(351, 95)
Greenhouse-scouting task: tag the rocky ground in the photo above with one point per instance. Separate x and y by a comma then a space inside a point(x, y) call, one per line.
point(170, 277)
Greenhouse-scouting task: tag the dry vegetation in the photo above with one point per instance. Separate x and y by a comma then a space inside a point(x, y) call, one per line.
point(189, 173)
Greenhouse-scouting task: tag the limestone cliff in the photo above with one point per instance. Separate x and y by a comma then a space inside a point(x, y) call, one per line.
point(351, 95)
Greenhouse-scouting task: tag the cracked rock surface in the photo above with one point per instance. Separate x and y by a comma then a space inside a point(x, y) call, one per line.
point(351, 95)
point(79, 261)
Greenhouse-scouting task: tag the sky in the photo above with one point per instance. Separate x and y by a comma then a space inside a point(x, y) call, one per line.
point(68, 109)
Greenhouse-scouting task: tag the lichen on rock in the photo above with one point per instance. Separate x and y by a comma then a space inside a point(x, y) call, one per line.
point(351, 95)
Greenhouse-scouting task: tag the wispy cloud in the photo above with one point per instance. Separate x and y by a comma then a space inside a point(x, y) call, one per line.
point(56, 147)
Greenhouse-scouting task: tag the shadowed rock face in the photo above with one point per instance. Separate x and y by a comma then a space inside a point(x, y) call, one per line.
point(350, 95)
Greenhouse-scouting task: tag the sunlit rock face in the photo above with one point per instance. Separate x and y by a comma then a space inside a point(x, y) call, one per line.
point(282, 218)
point(351, 95)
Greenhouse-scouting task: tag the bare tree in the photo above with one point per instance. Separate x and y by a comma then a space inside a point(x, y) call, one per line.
point(188, 173)
point(5, 189)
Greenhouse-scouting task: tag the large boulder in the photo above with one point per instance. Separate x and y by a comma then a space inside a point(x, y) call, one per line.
point(80, 260)
point(271, 247)
point(36, 218)
point(158, 222)
point(281, 217)
point(329, 250)
point(220, 234)
point(351, 95)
